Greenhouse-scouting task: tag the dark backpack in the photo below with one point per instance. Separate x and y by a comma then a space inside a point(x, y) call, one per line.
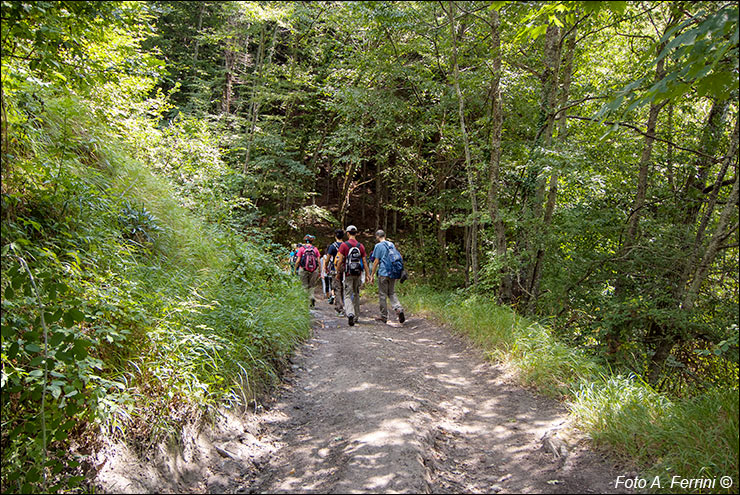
point(395, 261)
point(353, 265)
point(309, 261)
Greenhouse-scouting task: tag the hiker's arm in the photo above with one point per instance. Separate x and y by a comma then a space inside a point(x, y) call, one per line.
point(367, 268)
point(374, 270)
point(338, 263)
point(298, 260)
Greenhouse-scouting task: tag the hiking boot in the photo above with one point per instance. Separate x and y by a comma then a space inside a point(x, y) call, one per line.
point(331, 300)
point(401, 317)
point(351, 319)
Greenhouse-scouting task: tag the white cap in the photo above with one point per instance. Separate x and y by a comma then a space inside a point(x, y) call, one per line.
point(351, 229)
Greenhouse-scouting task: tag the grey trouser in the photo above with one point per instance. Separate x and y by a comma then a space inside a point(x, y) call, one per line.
point(387, 290)
point(309, 279)
point(352, 287)
point(338, 286)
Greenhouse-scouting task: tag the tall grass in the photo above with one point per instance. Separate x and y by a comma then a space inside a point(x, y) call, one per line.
point(173, 316)
point(689, 438)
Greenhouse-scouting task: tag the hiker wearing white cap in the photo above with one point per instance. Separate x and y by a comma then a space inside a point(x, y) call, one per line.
point(352, 262)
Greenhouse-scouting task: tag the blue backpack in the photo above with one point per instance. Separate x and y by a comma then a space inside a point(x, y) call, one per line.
point(395, 261)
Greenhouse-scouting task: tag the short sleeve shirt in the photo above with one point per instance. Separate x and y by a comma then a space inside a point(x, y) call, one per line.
point(332, 249)
point(344, 248)
point(379, 252)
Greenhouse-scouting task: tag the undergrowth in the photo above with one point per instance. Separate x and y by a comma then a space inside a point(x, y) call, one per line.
point(691, 438)
point(122, 312)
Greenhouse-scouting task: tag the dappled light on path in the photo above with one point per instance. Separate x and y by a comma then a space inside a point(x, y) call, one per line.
point(381, 408)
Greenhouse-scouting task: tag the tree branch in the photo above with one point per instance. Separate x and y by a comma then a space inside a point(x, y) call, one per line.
point(657, 138)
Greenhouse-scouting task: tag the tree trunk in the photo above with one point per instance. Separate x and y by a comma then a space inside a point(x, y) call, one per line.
point(645, 160)
point(468, 165)
point(197, 32)
point(720, 234)
point(551, 59)
point(228, 91)
point(494, 168)
point(378, 186)
point(262, 61)
point(441, 231)
point(690, 206)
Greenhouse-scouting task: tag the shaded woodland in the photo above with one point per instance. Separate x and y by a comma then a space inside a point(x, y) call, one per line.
point(576, 162)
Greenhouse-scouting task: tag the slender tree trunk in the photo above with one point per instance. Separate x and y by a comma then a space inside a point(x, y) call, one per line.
point(197, 31)
point(613, 336)
point(228, 91)
point(712, 200)
point(468, 165)
point(550, 80)
point(494, 168)
point(441, 231)
point(256, 103)
point(696, 180)
point(645, 160)
point(669, 150)
point(467, 256)
point(690, 206)
point(347, 191)
point(720, 234)
point(378, 191)
point(363, 196)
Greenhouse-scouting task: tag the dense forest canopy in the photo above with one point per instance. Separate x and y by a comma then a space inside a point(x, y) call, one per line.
point(575, 160)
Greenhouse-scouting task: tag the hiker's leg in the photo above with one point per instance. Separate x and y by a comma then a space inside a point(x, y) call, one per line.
point(305, 279)
point(395, 304)
point(356, 284)
point(338, 294)
point(383, 296)
point(348, 306)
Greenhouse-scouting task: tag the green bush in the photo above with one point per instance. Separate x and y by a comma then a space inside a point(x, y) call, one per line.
point(120, 309)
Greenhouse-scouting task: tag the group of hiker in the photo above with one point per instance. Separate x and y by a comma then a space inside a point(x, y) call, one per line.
point(343, 269)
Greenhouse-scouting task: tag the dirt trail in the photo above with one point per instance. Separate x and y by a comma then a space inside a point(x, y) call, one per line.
point(378, 408)
point(413, 408)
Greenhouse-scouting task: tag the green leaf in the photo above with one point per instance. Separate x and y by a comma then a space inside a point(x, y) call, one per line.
point(80, 350)
point(56, 339)
point(6, 331)
point(33, 475)
point(55, 390)
point(33, 347)
point(73, 316)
